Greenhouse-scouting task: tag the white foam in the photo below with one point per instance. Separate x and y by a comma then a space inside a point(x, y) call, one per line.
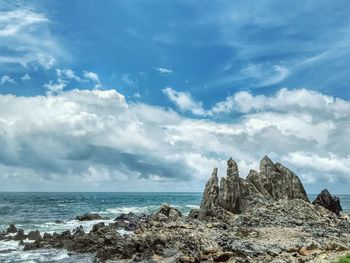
point(193, 206)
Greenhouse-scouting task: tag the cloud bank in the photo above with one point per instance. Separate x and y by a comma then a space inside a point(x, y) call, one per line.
point(96, 140)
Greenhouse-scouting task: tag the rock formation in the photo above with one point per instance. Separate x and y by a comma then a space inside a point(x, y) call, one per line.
point(237, 195)
point(211, 193)
point(332, 203)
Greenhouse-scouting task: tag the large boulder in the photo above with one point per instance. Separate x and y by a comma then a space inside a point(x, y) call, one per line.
point(237, 195)
point(332, 203)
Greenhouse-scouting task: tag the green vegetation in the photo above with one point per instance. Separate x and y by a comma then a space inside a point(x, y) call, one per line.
point(343, 259)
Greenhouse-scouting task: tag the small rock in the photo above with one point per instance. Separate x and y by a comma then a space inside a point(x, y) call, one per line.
point(303, 251)
point(89, 217)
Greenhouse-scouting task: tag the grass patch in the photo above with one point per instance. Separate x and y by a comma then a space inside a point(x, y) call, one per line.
point(343, 259)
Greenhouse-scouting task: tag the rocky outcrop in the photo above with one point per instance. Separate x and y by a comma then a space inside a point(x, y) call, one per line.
point(332, 203)
point(237, 195)
point(314, 233)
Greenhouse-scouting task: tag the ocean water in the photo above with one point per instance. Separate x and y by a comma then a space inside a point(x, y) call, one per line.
point(32, 211)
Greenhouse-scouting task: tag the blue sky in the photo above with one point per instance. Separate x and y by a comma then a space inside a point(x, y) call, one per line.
point(231, 72)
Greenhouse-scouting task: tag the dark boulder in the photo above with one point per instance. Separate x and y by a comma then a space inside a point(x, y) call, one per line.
point(169, 211)
point(20, 235)
point(89, 217)
point(12, 229)
point(34, 235)
point(332, 203)
point(97, 226)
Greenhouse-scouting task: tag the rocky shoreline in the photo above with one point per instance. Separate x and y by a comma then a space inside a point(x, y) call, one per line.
point(266, 217)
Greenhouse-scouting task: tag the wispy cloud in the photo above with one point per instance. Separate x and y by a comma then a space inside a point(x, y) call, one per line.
point(55, 87)
point(163, 70)
point(93, 77)
point(26, 77)
point(25, 39)
point(7, 80)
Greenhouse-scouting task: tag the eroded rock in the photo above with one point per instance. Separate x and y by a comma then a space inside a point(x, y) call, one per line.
point(332, 203)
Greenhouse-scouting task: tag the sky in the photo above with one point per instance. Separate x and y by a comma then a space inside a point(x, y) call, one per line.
point(152, 95)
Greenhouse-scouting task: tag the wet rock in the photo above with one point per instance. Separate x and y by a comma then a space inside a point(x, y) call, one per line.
point(129, 216)
point(98, 226)
point(34, 235)
point(89, 217)
point(20, 235)
point(47, 236)
point(12, 229)
point(332, 203)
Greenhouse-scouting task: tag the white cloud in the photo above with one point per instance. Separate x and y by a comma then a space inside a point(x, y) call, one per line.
point(68, 74)
point(26, 77)
point(55, 87)
point(7, 80)
point(265, 75)
point(184, 101)
point(93, 77)
point(97, 138)
point(25, 39)
point(164, 70)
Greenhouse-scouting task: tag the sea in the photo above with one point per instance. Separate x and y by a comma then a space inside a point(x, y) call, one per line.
point(39, 210)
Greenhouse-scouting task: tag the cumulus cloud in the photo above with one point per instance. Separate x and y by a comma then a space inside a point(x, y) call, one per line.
point(7, 80)
point(25, 39)
point(100, 140)
point(184, 101)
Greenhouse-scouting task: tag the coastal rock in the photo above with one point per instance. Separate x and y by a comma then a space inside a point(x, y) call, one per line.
point(211, 193)
point(20, 235)
point(11, 229)
point(194, 213)
point(237, 195)
point(332, 203)
point(89, 217)
point(169, 211)
point(34, 235)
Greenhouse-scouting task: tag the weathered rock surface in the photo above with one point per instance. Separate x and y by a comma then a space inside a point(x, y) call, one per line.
point(211, 193)
point(332, 203)
point(237, 195)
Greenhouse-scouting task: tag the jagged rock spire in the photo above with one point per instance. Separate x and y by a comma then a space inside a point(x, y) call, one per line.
point(211, 193)
point(237, 195)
